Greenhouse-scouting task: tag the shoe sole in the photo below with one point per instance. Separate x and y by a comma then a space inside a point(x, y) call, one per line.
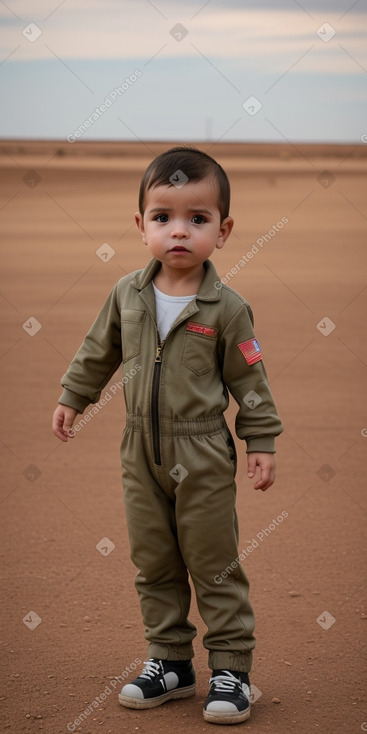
point(150, 703)
point(226, 718)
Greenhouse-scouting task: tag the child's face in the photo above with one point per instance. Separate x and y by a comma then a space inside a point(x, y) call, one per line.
point(181, 226)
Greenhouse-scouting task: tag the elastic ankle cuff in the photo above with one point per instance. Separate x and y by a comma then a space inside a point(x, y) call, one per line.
point(238, 661)
point(170, 652)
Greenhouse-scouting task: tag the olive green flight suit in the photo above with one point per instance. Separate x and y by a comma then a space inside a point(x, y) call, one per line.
point(178, 456)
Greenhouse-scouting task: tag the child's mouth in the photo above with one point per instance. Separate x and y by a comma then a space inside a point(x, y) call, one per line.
point(179, 248)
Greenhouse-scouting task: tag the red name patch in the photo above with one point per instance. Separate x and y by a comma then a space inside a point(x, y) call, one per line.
point(201, 329)
point(251, 351)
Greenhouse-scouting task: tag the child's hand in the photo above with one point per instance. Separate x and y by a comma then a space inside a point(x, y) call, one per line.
point(62, 421)
point(266, 464)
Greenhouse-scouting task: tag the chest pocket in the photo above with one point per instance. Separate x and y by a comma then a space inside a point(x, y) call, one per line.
point(199, 353)
point(131, 332)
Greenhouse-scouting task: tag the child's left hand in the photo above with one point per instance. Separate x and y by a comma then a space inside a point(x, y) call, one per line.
point(266, 464)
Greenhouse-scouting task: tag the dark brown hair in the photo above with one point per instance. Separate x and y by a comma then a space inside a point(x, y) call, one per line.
point(195, 164)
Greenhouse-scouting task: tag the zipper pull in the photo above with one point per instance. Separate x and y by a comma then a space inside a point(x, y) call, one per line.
point(158, 354)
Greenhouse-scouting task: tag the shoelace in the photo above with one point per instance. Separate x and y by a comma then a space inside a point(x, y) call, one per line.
point(225, 683)
point(150, 670)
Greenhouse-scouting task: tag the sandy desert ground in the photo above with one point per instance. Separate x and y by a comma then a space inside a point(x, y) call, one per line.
point(70, 616)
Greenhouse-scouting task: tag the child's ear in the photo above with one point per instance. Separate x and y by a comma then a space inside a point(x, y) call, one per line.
point(224, 232)
point(139, 221)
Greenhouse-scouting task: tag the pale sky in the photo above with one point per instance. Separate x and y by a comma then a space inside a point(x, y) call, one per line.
point(167, 70)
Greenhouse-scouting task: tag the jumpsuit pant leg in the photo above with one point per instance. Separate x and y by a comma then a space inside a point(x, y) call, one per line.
point(185, 521)
point(162, 579)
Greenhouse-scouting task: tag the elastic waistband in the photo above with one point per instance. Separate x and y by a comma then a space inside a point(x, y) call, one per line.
point(172, 427)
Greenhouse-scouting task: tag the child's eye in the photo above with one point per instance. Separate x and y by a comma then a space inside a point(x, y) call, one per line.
point(198, 219)
point(161, 218)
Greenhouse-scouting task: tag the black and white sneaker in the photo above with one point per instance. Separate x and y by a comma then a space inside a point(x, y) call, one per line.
point(160, 681)
point(228, 700)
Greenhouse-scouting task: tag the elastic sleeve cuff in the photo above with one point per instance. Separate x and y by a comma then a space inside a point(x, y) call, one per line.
point(265, 444)
point(73, 400)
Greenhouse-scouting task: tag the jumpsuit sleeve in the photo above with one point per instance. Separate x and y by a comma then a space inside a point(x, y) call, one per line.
point(257, 421)
point(96, 360)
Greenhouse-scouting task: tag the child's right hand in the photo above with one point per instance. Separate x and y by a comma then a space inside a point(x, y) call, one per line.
point(62, 421)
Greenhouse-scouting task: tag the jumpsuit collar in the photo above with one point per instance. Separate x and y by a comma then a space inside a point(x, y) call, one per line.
point(210, 289)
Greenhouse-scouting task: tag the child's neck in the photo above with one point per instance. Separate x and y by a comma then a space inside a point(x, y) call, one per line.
point(177, 282)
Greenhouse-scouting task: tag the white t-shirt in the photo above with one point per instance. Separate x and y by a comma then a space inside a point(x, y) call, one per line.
point(167, 309)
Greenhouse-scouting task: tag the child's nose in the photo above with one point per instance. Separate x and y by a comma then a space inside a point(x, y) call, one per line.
point(179, 229)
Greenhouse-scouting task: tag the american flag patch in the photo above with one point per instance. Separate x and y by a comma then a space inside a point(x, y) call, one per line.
point(201, 329)
point(251, 351)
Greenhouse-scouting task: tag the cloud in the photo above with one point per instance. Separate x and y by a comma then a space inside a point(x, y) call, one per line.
point(272, 39)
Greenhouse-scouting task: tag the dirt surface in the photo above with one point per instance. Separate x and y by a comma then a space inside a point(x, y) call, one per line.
point(307, 286)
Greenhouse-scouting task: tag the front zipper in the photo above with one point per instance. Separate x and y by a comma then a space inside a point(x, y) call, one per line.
point(154, 403)
point(154, 409)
